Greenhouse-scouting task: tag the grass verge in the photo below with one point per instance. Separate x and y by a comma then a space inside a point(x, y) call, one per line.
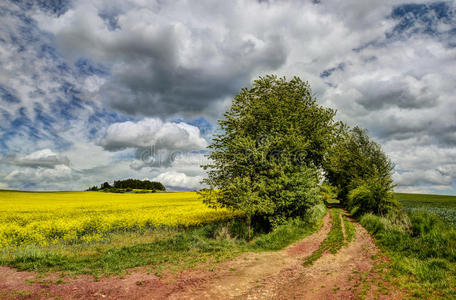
point(423, 252)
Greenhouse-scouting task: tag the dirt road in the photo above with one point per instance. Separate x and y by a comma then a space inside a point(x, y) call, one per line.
point(351, 272)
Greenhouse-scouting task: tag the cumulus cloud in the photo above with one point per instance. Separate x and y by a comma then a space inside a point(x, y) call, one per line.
point(178, 180)
point(41, 95)
point(156, 142)
point(422, 166)
point(37, 169)
point(45, 158)
point(32, 175)
point(427, 177)
point(152, 132)
point(399, 86)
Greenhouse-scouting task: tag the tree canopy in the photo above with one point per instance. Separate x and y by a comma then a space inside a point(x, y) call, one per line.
point(265, 162)
point(120, 185)
point(361, 171)
point(139, 184)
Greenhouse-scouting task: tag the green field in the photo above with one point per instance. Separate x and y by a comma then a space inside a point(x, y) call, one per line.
point(443, 206)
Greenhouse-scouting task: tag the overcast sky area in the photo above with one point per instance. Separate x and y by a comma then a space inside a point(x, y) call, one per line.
point(94, 91)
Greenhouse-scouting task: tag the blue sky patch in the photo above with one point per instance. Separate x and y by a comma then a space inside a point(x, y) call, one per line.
point(326, 73)
point(423, 19)
point(8, 96)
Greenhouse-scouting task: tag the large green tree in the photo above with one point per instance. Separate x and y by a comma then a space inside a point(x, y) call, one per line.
point(266, 159)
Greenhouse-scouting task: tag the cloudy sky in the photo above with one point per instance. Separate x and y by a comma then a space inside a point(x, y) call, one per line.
point(101, 90)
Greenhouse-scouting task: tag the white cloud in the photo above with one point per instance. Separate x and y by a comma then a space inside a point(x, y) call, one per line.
point(153, 133)
point(429, 189)
point(45, 158)
point(156, 143)
point(415, 178)
point(39, 169)
point(37, 175)
point(93, 83)
point(174, 179)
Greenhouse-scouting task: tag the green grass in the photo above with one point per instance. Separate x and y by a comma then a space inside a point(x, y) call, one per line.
point(333, 242)
point(423, 253)
point(427, 199)
point(350, 231)
point(282, 236)
point(421, 243)
point(291, 232)
point(159, 249)
point(185, 248)
point(444, 206)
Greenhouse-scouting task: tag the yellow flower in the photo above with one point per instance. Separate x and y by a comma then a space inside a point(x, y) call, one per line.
point(50, 218)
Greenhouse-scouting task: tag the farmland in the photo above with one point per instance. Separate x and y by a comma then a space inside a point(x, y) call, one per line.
point(169, 234)
point(105, 233)
point(44, 218)
point(443, 206)
point(209, 260)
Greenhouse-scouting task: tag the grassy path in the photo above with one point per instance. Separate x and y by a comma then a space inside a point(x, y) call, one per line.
point(332, 243)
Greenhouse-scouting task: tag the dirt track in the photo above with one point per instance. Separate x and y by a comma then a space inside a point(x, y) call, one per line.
point(349, 273)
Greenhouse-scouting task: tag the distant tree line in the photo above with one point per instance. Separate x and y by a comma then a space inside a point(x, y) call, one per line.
point(139, 184)
point(130, 184)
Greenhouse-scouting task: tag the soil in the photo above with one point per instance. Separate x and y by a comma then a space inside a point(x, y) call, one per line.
point(351, 272)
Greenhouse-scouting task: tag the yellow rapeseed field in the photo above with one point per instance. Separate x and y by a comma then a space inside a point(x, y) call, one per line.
point(45, 218)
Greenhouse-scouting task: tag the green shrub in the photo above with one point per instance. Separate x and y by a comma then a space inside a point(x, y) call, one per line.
point(423, 223)
point(372, 195)
point(328, 192)
point(360, 200)
point(315, 213)
point(239, 229)
point(372, 223)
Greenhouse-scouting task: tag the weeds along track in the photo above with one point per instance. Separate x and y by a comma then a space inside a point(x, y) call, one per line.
point(333, 242)
point(350, 232)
